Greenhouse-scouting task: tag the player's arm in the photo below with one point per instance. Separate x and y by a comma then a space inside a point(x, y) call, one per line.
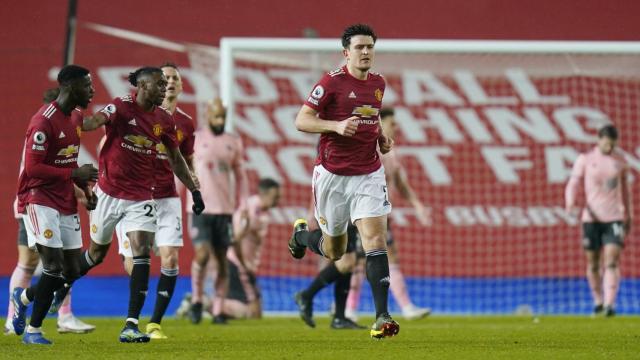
point(241, 175)
point(626, 200)
point(90, 123)
point(307, 120)
point(86, 197)
point(406, 191)
point(180, 168)
point(571, 190)
point(102, 117)
point(36, 148)
point(385, 142)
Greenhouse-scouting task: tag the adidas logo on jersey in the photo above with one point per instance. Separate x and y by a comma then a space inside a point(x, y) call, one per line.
point(352, 95)
point(133, 122)
point(62, 135)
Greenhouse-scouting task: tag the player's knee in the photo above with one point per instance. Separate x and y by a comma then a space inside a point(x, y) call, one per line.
point(333, 254)
point(374, 242)
point(593, 268)
point(53, 267)
point(31, 262)
point(98, 254)
point(169, 261)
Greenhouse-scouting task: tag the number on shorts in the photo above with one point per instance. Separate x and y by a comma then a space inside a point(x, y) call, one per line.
point(77, 223)
point(178, 224)
point(149, 209)
point(386, 195)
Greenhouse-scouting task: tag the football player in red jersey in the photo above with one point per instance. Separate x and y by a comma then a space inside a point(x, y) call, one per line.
point(28, 259)
point(46, 195)
point(348, 179)
point(136, 127)
point(168, 237)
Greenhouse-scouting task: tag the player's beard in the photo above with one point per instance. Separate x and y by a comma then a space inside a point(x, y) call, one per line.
point(217, 129)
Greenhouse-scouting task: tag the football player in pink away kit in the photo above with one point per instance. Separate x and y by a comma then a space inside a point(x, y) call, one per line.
point(606, 216)
point(396, 178)
point(250, 225)
point(46, 196)
point(348, 180)
point(168, 237)
point(28, 261)
point(136, 126)
point(218, 162)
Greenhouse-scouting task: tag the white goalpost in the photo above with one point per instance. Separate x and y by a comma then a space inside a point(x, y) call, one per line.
point(487, 132)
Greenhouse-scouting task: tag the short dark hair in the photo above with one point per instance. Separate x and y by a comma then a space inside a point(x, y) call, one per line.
point(384, 112)
point(609, 131)
point(134, 76)
point(169, 64)
point(267, 183)
point(71, 72)
point(50, 94)
point(357, 29)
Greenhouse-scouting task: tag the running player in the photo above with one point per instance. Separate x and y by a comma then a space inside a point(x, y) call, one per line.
point(396, 178)
point(28, 261)
point(606, 216)
point(168, 237)
point(136, 126)
point(337, 272)
point(46, 194)
point(250, 223)
point(348, 180)
point(218, 162)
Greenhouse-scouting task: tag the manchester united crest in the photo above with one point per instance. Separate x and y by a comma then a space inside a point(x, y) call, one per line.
point(179, 135)
point(378, 94)
point(157, 130)
point(48, 234)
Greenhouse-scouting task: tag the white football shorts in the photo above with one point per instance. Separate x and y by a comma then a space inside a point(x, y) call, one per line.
point(47, 227)
point(339, 199)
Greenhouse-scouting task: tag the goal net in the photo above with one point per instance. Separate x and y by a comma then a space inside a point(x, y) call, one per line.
point(487, 132)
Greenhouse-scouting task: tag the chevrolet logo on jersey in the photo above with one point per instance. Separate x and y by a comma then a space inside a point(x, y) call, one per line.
point(161, 149)
point(139, 141)
point(69, 151)
point(365, 111)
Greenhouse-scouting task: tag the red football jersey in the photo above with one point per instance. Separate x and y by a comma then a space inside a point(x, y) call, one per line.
point(128, 156)
point(165, 183)
point(338, 96)
point(51, 152)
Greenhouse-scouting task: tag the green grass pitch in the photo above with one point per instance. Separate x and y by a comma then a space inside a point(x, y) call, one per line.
point(439, 337)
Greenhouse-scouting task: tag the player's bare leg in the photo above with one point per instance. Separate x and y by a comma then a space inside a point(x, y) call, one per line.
point(399, 289)
point(201, 255)
point(138, 284)
point(20, 278)
point(221, 283)
point(611, 277)
point(594, 278)
point(373, 233)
